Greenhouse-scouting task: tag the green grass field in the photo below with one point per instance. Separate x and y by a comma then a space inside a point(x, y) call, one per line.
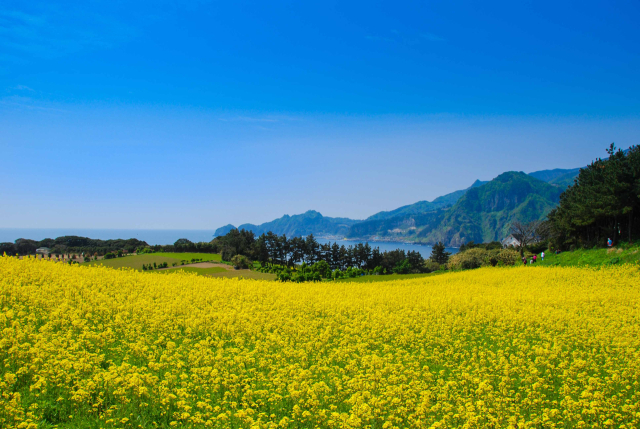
point(136, 261)
point(582, 257)
point(188, 256)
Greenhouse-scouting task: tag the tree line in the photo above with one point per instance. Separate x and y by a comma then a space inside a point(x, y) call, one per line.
point(71, 244)
point(603, 203)
point(277, 250)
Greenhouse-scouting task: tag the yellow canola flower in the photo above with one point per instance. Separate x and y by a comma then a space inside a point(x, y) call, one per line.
point(495, 347)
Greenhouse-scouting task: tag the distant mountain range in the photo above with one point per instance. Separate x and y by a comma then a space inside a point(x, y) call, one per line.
point(482, 212)
point(304, 224)
point(425, 206)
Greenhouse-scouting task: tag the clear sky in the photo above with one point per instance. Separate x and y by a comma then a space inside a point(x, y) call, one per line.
point(158, 114)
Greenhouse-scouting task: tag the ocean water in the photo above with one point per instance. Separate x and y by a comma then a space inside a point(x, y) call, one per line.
point(424, 250)
point(169, 236)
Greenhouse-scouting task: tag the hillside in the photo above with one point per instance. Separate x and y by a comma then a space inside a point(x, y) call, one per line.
point(425, 206)
point(624, 253)
point(551, 176)
point(557, 176)
point(223, 230)
point(484, 213)
point(304, 224)
point(404, 227)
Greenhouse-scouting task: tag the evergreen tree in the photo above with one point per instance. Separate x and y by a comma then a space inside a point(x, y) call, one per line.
point(439, 254)
point(603, 202)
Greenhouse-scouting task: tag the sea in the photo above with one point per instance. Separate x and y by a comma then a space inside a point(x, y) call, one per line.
point(424, 250)
point(169, 236)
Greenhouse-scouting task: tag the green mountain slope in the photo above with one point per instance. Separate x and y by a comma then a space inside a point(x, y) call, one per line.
point(425, 206)
point(550, 176)
point(486, 212)
point(401, 227)
point(223, 230)
point(304, 224)
point(566, 179)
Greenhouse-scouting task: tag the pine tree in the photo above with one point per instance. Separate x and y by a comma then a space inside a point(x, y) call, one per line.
point(439, 254)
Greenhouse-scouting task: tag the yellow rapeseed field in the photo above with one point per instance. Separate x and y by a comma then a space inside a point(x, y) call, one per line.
point(524, 347)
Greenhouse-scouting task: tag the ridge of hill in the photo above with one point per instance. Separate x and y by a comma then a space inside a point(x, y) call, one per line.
point(310, 222)
point(550, 176)
point(425, 206)
point(485, 213)
point(223, 230)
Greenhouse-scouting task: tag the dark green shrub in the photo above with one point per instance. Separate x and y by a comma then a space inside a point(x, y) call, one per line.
point(430, 266)
point(241, 262)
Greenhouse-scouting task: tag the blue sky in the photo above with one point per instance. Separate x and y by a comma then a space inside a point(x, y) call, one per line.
point(160, 115)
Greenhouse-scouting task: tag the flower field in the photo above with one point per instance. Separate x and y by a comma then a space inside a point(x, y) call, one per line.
point(88, 347)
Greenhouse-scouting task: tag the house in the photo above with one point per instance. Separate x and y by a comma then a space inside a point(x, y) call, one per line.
point(510, 241)
point(43, 250)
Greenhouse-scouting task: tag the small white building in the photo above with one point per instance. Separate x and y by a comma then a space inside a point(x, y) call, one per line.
point(510, 241)
point(43, 250)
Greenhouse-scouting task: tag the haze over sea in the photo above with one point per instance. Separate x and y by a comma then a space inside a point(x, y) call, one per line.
point(169, 236)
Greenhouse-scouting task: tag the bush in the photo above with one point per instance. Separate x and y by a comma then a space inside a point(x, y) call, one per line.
point(508, 257)
point(284, 277)
point(323, 268)
point(469, 259)
point(538, 247)
point(241, 262)
point(431, 266)
point(402, 267)
point(479, 257)
point(109, 256)
point(87, 259)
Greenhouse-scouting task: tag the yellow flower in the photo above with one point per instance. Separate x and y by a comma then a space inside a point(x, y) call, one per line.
point(494, 347)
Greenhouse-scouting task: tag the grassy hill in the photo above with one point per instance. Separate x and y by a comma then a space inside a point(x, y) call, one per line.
point(136, 261)
point(624, 254)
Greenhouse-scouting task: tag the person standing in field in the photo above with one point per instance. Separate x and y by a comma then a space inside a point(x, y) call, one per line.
point(542, 256)
point(535, 258)
point(609, 242)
